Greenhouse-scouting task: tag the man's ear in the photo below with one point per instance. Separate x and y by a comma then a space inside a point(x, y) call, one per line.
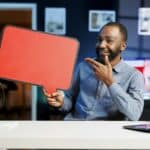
point(123, 46)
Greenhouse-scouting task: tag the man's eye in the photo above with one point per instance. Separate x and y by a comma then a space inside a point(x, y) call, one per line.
point(110, 41)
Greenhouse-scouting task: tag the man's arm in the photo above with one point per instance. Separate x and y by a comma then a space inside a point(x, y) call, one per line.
point(64, 100)
point(130, 103)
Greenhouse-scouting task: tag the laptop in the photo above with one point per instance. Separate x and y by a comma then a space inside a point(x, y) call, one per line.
point(138, 127)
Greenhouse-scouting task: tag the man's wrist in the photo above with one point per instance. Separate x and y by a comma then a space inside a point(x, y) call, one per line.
point(109, 83)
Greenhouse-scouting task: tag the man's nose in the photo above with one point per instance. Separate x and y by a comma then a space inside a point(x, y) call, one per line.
point(102, 44)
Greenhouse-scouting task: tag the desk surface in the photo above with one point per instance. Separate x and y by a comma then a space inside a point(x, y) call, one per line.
point(71, 135)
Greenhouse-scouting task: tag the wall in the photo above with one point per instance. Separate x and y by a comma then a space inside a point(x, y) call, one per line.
point(77, 19)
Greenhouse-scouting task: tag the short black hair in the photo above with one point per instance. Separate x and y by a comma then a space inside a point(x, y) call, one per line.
point(120, 26)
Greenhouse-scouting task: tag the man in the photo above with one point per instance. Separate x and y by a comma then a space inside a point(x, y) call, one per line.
point(105, 88)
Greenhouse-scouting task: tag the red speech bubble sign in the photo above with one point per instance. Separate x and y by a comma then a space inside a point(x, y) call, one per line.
point(37, 58)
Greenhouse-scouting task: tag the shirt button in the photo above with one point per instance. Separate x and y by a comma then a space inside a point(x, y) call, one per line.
point(97, 96)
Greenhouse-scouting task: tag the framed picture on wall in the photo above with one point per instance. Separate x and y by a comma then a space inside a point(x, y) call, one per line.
point(98, 18)
point(144, 21)
point(55, 20)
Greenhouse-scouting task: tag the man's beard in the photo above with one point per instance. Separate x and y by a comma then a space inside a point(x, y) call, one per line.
point(111, 56)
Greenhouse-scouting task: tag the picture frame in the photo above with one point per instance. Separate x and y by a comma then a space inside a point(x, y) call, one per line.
point(98, 18)
point(144, 21)
point(55, 21)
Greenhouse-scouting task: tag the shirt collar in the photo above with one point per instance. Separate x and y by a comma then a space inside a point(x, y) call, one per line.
point(119, 67)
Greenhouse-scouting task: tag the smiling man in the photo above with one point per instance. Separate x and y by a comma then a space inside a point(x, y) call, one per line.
point(105, 88)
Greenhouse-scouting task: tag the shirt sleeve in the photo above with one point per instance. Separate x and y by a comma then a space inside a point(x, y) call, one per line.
point(129, 102)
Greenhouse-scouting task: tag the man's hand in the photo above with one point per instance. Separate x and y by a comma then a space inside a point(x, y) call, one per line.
point(55, 99)
point(102, 72)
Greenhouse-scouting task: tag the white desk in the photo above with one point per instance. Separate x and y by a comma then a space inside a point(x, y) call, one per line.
point(71, 135)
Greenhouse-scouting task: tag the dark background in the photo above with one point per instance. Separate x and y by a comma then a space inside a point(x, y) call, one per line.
point(77, 23)
point(76, 19)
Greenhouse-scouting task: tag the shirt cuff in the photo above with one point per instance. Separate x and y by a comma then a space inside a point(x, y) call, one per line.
point(114, 88)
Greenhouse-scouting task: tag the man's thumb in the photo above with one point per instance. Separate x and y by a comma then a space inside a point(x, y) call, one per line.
point(107, 60)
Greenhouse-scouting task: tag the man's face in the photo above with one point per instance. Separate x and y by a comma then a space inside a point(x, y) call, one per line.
point(110, 42)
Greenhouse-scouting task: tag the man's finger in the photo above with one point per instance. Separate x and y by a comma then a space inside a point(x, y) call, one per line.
point(51, 99)
point(92, 61)
point(106, 60)
point(55, 94)
point(46, 93)
point(52, 103)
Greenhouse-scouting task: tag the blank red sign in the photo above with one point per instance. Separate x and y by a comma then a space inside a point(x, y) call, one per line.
point(37, 58)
